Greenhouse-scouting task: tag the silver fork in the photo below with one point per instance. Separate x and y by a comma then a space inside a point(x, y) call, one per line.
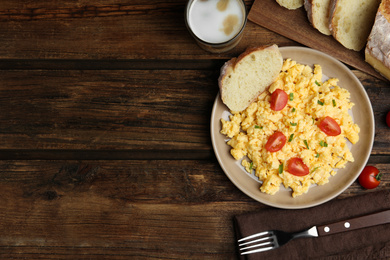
point(273, 239)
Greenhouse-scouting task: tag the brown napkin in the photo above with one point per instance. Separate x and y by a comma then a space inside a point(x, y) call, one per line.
point(366, 243)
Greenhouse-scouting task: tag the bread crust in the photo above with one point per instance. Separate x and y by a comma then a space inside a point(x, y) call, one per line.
point(332, 24)
point(316, 23)
point(377, 64)
point(377, 52)
point(291, 5)
point(352, 29)
point(231, 64)
point(229, 67)
point(249, 50)
point(308, 4)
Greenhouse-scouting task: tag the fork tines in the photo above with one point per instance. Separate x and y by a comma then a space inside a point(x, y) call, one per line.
point(262, 242)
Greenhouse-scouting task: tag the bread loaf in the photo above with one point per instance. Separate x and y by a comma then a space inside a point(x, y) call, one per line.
point(244, 78)
point(290, 4)
point(377, 50)
point(351, 21)
point(318, 14)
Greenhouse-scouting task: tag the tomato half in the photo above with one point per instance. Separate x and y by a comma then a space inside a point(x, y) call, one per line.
point(370, 177)
point(388, 119)
point(297, 167)
point(278, 100)
point(329, 126)
point(276, 142)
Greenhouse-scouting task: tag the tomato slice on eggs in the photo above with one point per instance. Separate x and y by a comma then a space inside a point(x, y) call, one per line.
point(278, 100)
point(329, 126)
point(297, 167)
point(275, 142)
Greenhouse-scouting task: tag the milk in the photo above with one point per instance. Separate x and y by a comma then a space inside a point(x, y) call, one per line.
point(216, 21)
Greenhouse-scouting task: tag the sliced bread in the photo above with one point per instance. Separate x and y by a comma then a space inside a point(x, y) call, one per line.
point(377, 50)
point(290, 4)
point(351, 21)
point(318, 14)
point(244, 78)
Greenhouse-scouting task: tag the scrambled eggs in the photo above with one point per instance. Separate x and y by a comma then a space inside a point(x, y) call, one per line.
point(310, 99)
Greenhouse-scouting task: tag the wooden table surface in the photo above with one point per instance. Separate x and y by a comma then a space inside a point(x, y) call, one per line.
point(105, 133)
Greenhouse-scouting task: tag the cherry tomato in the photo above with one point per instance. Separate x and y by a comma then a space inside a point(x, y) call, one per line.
point(297, 167)
point(276, 142)
point(278, 100)
point(370, 177)
point(329, 126)
point(388, 119)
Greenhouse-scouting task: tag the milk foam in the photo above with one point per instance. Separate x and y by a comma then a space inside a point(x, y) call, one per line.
point(210, 24)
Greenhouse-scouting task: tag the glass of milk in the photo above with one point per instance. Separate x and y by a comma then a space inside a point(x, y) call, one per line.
point(216, 25)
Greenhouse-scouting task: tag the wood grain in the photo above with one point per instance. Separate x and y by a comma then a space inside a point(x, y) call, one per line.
point(108, 30)
point(107, 109)
point(122, 209)
point(269, 14)
point(124, 111)
point(141, 209)
point(105, 149)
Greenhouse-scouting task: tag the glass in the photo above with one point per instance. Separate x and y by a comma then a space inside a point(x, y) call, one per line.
point(216, 25)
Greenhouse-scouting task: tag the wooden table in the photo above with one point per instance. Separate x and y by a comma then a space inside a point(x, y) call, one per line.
point(105, 138)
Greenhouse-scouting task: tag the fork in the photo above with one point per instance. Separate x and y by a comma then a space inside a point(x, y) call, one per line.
point(273, 239)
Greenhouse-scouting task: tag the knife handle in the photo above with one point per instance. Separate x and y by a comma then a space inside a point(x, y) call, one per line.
point(355, 223)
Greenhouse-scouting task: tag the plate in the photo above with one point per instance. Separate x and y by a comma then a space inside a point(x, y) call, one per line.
point(362, 115)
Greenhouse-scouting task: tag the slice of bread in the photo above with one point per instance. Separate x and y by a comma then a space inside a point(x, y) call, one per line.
point(318, 14)
point(351, 21)
point(244, 78)
point(377, 50)
point(290, 4)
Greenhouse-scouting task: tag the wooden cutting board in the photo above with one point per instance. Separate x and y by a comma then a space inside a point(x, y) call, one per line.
point(295, 25)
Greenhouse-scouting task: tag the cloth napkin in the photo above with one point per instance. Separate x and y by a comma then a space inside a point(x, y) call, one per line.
point(365, 243)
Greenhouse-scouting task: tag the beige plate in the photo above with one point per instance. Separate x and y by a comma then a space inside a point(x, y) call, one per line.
point(362, 114)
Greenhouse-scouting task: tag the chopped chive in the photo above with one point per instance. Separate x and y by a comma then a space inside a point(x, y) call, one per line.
point(293, 124)
point(281, 168)
point(307, 145)
point(320, 103)
point(258, 127)
point(323, 144)
point(317, 155)
point(293, 109)
point(317, 83)
point(315, 169)
point(334, 102)
point(291, 138)
point(291, 96)
point(251, 166)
